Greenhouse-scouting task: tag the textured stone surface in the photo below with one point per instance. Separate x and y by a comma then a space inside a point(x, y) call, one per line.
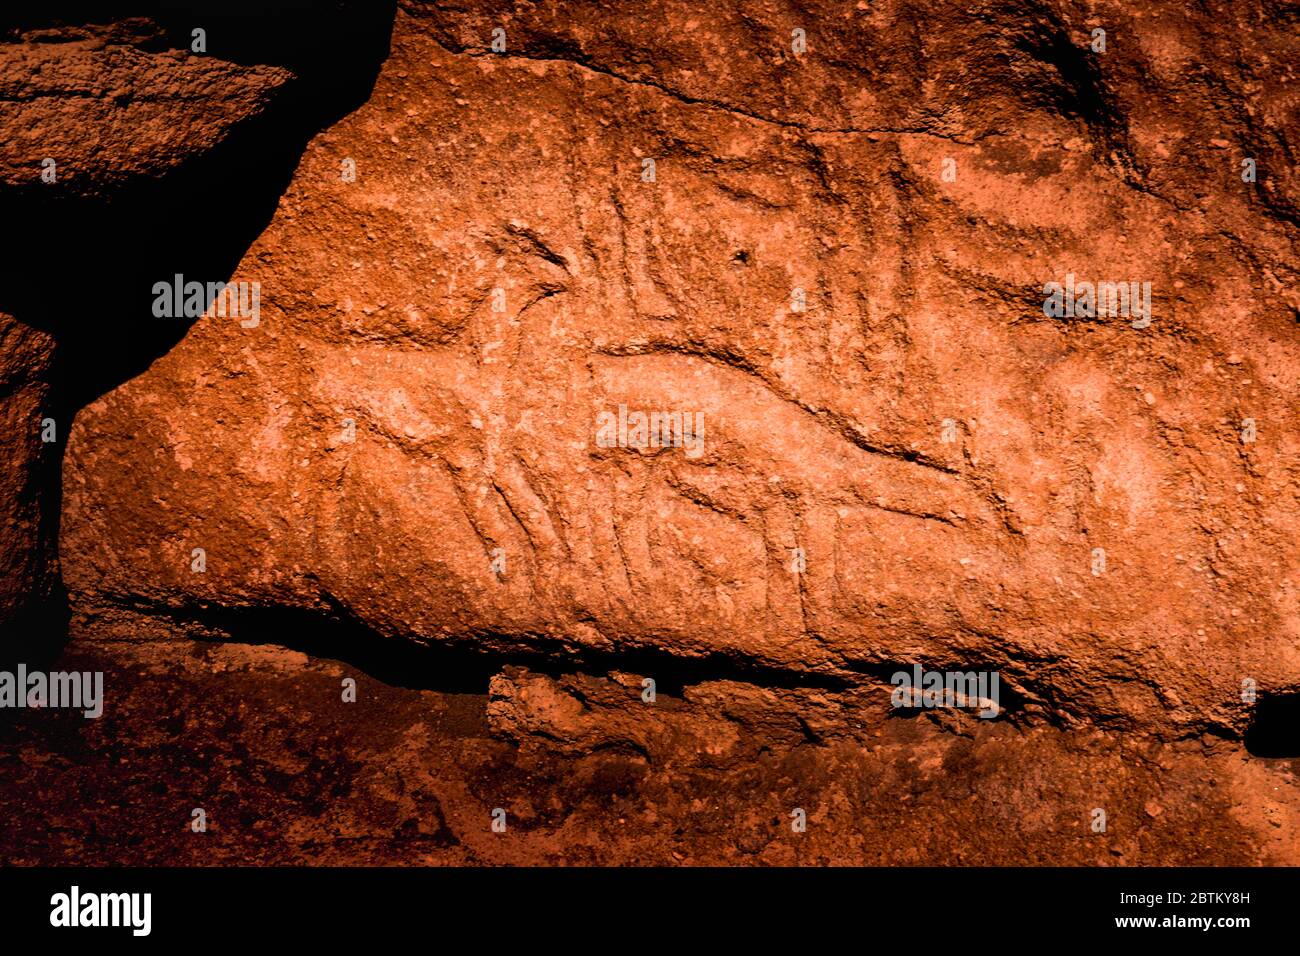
point(824, 429)
point(109, 107)
point(111, 111)
point(113, 134)
point(26, 541)
point(410, 775)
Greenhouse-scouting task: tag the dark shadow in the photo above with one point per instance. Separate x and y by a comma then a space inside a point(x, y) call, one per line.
point(1275, 730)
point(1078, 90)
point(84, 268)
point(1011, 703)
point(463, 666)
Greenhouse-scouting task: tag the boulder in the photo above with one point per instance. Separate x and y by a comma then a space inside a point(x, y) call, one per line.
point(493, 296)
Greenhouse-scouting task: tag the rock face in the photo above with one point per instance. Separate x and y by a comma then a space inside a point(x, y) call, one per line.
point(87, 111)
point(114, 132)
point(26, 543)
point(107, 107)
point(833, 263)
point(410, 776)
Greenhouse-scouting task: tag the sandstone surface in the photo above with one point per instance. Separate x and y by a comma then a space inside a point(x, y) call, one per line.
point(837, 259)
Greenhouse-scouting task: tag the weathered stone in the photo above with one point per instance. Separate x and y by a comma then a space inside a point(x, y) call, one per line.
point(105, 130)
point(839, 262)
point(27, 543)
